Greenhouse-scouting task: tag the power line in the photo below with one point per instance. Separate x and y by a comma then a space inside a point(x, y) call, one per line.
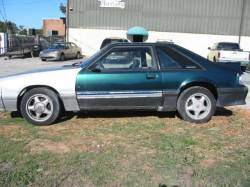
point(4, 10)
point(3, 16)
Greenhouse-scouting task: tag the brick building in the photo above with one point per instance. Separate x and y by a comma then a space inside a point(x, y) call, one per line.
point(53, 27)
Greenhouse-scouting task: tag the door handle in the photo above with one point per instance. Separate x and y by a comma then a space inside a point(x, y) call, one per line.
point(151, 76)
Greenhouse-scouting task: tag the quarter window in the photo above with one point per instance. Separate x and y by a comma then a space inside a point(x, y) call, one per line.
point(127, 59)
point(172, 59)
point(165, 61)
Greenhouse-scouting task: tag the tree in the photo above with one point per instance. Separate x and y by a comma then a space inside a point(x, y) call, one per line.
point(63, 8)
point(22, 30)
point(8, 27)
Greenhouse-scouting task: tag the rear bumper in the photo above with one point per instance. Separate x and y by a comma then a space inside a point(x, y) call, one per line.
point(242, 63)
point(232, 96)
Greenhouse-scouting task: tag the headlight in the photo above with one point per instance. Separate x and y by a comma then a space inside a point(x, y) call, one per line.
point(55, 53)
point(240, 79)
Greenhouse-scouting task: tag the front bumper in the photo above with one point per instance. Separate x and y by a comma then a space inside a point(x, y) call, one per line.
point(49, 57)
point(232, 96)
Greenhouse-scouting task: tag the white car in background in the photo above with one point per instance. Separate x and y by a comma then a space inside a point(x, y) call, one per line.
point(228, 52)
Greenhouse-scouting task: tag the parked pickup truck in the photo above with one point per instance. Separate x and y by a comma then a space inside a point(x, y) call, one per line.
point(228, 52)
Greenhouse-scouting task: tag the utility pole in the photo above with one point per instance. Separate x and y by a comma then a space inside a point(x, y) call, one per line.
point(67, 22)
point(242, 19)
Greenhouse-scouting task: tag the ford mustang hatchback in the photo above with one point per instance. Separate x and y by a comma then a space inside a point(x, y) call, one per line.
point(137, 76)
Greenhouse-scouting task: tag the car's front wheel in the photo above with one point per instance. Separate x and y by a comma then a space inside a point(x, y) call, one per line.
point(40, 106)
point(62, 57)
point(196, 105)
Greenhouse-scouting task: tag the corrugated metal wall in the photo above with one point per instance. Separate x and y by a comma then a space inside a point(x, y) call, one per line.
point(188, 16)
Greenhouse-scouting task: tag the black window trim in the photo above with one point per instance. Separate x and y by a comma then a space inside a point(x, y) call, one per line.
point(159, 62)
point(128, 70)
point(200, 67)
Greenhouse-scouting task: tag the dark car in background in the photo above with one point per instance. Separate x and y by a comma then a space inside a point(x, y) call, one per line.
point(108, 41)
point(61, 51)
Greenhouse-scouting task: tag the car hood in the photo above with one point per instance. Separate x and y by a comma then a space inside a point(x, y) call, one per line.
point(62, 79)
point(40, 71)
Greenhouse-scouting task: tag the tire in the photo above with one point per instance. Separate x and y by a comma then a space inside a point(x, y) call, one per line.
point(243, 68)
point(189, 104)
point(62, 57)
point(40, 106)
point(78, 55)
point(43, 60)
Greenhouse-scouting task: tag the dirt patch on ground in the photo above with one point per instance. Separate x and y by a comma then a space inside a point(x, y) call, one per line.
point(40, 145)
point(11, 130)
point(79, 144)
point(4, 115)
point(220, 121)
point(208, 162)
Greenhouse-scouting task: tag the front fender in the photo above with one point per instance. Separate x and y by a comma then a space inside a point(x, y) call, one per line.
point(62, 80)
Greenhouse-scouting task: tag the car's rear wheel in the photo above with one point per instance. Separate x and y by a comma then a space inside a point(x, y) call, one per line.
point(196, 105)
point(40, 106)
point(78, 55)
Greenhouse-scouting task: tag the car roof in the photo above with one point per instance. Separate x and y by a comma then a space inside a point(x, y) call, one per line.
point(135, 44)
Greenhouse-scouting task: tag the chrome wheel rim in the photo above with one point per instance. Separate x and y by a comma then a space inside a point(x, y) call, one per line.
point(39, 107)
point(198, 106)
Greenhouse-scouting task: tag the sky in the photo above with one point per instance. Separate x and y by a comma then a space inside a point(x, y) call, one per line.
point(30, 13)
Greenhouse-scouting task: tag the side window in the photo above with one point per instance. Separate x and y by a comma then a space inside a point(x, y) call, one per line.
point(73, 45)
point(67, 45)
point(165, 61)
point(175, 59)
point(130, 59)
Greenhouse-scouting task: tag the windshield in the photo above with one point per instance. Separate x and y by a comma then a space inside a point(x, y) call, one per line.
point(228, 46)
point(89, 60)
point(57, 46)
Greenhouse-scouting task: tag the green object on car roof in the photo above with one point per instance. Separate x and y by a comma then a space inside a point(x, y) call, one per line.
point(137, 31)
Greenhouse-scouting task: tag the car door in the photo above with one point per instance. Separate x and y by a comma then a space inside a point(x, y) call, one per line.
point(123, 78)
point(73, 48)
point(68, 51)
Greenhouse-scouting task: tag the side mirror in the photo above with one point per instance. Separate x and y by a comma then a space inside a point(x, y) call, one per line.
point(96, 70)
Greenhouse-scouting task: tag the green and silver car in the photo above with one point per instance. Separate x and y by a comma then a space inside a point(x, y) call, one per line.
point(127, 76)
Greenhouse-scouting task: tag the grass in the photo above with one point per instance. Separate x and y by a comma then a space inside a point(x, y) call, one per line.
point(127, 149)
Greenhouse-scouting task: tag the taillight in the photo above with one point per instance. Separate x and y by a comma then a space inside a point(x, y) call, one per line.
point(219, 55)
